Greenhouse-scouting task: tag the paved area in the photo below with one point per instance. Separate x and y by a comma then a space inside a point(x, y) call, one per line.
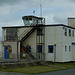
point(64, 72)
point(10, 73)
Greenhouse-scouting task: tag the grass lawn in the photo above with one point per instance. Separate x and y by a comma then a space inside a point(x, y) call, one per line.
point(41, 69)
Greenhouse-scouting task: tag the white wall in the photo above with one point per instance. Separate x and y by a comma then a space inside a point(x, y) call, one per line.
point(52, 37)
point(71, 22)
point(55, 35)
point(66, 41)
point(73, 52)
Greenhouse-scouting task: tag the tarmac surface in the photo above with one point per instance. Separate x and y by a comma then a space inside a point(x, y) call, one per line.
point(63, 72)
point(10, 73)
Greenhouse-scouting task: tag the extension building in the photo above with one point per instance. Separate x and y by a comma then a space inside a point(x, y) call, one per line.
point(37, 41)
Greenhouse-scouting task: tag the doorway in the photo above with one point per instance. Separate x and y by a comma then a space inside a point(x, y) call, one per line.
point(5, 52)
point(39, 52)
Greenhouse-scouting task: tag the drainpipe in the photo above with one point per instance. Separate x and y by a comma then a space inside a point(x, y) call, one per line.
point(54, 53)
point(17, 49)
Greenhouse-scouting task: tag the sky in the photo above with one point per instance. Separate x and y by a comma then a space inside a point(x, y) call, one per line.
point(54, 11)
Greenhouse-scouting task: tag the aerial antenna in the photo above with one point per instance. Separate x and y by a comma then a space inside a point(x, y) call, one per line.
point(34, 12)
point(40, 8)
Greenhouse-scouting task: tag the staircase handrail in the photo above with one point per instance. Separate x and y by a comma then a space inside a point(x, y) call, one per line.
point(27, 30)
point(33, 53)
point(24, 33)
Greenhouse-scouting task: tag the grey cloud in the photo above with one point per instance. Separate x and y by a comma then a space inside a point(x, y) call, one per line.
point(60, 19)
point(71, 0)
point(8, 1)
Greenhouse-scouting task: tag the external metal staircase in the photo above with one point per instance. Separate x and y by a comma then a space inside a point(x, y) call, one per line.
point(27, 33)
point(24, 36)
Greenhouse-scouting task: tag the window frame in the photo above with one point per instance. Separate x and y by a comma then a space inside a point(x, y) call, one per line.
point(69, 48)
point(39, 48)
point(40, 31)
point(70, 32)
point(11, 34)
point(65, 48)
point(50, 51)
point(65, 31)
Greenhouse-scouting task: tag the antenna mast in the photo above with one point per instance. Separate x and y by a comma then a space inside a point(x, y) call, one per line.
point(40, 8)
point(34, 12)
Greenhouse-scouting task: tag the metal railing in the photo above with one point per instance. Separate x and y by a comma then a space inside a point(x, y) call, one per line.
point(24, 33)
point(29, 49)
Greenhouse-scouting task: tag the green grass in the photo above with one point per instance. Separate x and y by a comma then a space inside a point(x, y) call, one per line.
point(41, 69)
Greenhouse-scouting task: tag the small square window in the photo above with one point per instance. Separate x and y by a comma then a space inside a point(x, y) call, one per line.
point(69, 32)
point(73, 33)
point(50, 49)
point(39, 31)
point(69, 48)
point(65, 32)
point(65, 48)
point(39, 48)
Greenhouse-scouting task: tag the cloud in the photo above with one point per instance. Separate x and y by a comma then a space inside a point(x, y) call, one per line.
point(11, 11)
point(55, 11)
point(2, 2)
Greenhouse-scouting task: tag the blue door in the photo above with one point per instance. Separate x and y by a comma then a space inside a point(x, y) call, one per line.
point(5, 52)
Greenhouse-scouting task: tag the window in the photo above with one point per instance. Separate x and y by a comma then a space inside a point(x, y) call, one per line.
point(65, 48)
point(30, 18)
point(65, 32)
point(28, 47)
point(26, 18)
point(69, 32)
point(73, 33)
point(39, 48)
point(11, 34)
point(39, 31)
point(69, 48)
point(50, 48)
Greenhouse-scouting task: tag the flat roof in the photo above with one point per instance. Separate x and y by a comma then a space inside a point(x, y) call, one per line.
point(32, 17)
point(52, 25)
point(72, 18)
